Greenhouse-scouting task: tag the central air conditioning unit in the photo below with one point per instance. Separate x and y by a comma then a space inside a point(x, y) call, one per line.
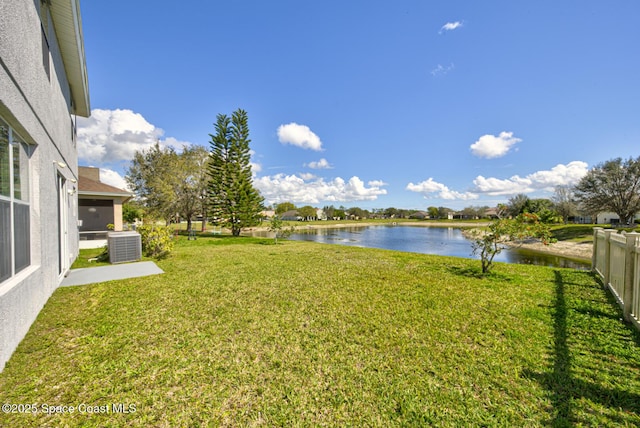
point(124, 247)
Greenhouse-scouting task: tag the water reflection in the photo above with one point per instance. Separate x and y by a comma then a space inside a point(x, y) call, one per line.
point(445, 241)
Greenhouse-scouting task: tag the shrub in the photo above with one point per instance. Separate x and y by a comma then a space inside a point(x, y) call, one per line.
point(157, 241)
point(490, 242)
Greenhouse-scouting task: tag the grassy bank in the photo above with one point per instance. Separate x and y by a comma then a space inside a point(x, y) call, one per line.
point(242, 332)
point(573, 232)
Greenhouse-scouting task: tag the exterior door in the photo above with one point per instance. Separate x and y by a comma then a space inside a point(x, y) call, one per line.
point(63, 225)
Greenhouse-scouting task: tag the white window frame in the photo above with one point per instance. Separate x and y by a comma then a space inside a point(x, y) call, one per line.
point(15, 139)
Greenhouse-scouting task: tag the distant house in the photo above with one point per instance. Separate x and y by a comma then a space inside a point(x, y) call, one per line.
point(578, 219)
point(491, 213)
point(43, 87)
point(612, 218)
point(267, 214)
point(291, 215)
point(420, 215)
point(99, 205)
point(320, 214)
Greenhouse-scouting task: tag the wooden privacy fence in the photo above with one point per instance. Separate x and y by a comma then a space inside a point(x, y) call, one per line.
point(616, 258)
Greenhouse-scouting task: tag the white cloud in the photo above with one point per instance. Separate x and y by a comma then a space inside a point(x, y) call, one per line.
point(565, 175)
point(113, 178)
point(255, 167)
point(300, 136)
point(450, 26)
point(110, 136)
point(441, 70)
point(321, 164)
point(307, 176)
point(489, 146)
point(496, 186)
point(560, 175)
point(313, 190)
point(430, 189)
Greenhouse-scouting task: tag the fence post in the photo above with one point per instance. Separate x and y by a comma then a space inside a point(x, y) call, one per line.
point(607, 256)
point(594, 255)
point(629, 264)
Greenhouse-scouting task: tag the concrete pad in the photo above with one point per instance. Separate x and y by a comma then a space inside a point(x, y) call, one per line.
point(110, 273)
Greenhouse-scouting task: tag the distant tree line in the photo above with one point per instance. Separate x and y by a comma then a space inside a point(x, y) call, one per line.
point(612, 186)
point(342, 212)
point(216, 185)
point(547, 210)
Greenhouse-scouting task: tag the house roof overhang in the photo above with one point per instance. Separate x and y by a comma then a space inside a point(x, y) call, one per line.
point(91, 189)
point(123, 197)
point(68, 24)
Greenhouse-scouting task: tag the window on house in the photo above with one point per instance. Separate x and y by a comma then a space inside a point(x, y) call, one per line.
point(5, 203)
point(15, 232)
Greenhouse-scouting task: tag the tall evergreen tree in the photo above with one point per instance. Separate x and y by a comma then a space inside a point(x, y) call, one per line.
point(234, 201)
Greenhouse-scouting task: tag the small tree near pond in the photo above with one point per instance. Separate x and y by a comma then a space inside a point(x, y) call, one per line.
point(489, 243)
point(280, 228)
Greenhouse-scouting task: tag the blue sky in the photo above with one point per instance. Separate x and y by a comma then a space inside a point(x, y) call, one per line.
point(374, 104)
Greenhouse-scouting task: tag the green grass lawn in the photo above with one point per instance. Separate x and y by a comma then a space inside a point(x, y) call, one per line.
point(573, 232)
point(241, 332)
point(579, 232)
point(91, 257)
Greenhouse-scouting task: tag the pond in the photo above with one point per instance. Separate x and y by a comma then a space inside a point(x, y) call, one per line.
point(445, 241)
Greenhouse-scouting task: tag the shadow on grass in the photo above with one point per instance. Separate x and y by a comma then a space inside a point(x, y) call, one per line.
point(466, 271)
point(572, 232)
point(476, 272)
point(567, 382)
point(561, 377)
point(209, 239)
point(618, 315)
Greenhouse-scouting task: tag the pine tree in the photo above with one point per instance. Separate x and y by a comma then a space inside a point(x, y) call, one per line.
point(235, 202)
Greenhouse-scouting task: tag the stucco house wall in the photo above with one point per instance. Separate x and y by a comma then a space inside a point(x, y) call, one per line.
point(43, 85)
